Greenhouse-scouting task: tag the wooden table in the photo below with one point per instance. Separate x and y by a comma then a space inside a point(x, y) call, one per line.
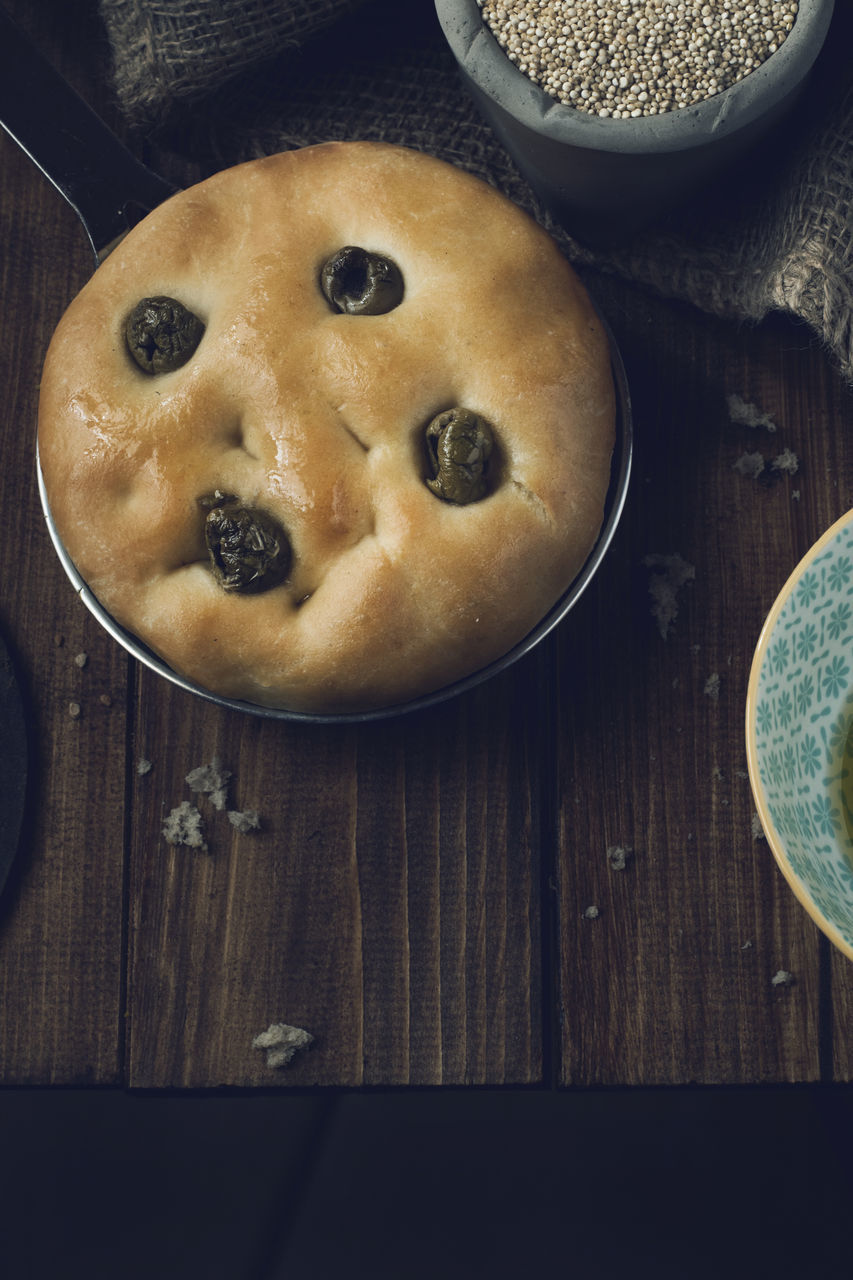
point(436, 899)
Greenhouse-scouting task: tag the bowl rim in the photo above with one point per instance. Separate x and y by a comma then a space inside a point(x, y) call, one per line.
point(483, 60)
point(620, 474)
point(774, 840)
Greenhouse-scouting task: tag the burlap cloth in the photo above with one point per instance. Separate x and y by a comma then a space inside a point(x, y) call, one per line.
point(220, 81)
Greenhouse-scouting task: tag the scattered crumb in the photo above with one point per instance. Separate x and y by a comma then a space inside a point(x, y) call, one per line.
point(74, 710)
point(618, 855)
point(669, 574)
point(81, 659)
point(281, 1043)
point(591, 913)
point(795, 494)
point(143, 767)
point(59, 640)
point(747, 945)
point(757, 829)
point(105, 700)
point(748, 415)
point(712, 686)
point(749, 464)
point(211, 780)
point(245, 822)
point(183, 826)
point(717, 774)
point(786, 461)
point(782, 979)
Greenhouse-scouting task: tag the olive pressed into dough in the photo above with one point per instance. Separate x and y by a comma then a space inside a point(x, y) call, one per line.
point(459, 444)
point(162, 334)
point(248, 549)
point(360, 283)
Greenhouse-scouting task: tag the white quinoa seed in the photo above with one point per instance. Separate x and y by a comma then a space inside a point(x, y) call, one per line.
point(627, 58)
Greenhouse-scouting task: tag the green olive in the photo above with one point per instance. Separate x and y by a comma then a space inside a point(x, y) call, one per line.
point(360, 283)
point(459, 445)
point(161, 334)
point(249, 551)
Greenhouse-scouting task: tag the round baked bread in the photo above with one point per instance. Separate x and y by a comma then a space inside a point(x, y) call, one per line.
point(242, 471)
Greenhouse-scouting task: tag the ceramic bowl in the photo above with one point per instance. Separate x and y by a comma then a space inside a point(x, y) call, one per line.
point(605, 179)
point(799, 732)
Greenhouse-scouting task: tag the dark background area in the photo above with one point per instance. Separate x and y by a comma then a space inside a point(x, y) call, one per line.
point(677, 1183)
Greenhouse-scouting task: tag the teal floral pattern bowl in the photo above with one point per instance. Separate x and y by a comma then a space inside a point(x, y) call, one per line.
point(799, 732)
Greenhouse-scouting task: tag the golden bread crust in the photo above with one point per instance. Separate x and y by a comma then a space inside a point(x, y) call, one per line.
point(318, 418)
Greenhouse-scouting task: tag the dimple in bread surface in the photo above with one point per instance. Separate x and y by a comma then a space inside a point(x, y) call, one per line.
point(318, 418)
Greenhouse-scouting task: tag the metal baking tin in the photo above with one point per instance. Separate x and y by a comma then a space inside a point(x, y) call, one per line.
point(617, 493)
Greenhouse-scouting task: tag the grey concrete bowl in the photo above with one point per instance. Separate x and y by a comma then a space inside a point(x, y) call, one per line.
point(604, 179)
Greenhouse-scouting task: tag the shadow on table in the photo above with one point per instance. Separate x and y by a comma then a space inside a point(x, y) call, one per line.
point(686, 1184)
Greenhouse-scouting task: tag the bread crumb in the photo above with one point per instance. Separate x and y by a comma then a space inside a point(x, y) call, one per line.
point(105, 700)
point(282, 1042)
point(757, 829)
point(782, 978)
point(795, 494)
point(81, 659)
point(747, 946)
point(143, 767)
point(244, 822)
point(669, 574)
point(712, 686)
point(786, 461)
point(183, 826)
point(618, 855)
point(750, 465)
point(211, 780)
point(591, 913)
point(74, 710)
point(748, 415)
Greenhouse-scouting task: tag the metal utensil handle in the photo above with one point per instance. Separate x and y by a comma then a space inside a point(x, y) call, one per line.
point(104, 183)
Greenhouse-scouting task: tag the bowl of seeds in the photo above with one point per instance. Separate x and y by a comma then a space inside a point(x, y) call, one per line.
point(617, 110)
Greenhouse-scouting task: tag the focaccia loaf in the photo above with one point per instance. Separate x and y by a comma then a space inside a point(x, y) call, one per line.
point(243, 428)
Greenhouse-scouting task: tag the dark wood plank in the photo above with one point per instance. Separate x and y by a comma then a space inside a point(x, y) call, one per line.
point(672, 981)
point(837, 1010)
point(61, 918)
point(389, 905)
point(415, 883)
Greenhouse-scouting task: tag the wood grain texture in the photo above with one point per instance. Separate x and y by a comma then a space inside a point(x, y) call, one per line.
point(389, 905)
point(61, 917)
point(672, 981)
point(417, 897)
